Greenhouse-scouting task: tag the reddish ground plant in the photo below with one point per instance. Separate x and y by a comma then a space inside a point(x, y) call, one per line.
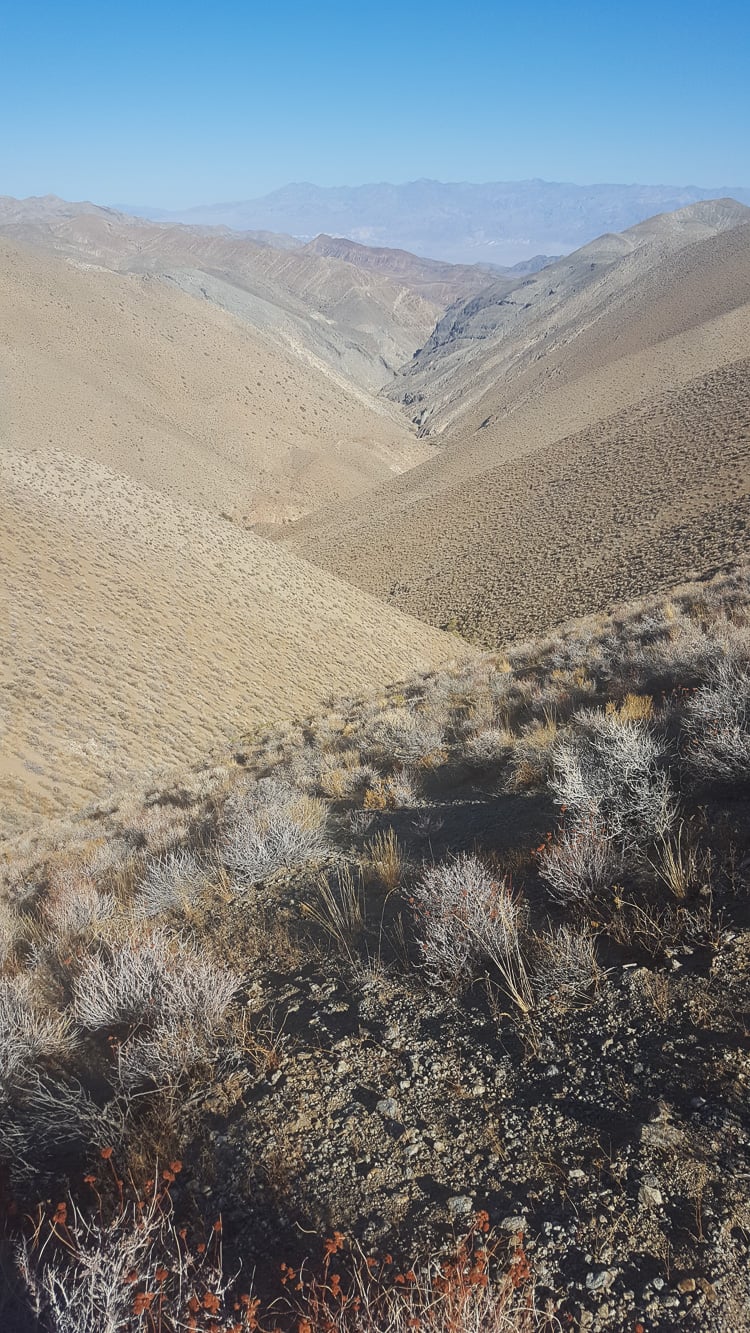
point(124, 1264)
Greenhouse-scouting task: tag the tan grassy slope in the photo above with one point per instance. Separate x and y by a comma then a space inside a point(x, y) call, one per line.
point(631, 503)
point(186, 399)
point(600, 466)
point(138, 633)
point(617, 295)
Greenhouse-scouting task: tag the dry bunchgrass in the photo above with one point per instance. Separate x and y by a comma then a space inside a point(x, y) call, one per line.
point(634, 708)
point(385, 859)
point(566, 968)
point(339, 909)
point(532, 755)
point(680, 864)
point(397, 791)
point(10, 928)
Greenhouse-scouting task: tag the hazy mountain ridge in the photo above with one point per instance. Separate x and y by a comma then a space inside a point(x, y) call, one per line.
point(500, 222)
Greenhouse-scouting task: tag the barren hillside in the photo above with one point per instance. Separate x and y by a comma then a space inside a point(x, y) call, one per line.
point(180, 395)
point(354, 324)
point(621, 293)
point(449, 981)
point(138, 633)
point(436, 281)
point(621, 466)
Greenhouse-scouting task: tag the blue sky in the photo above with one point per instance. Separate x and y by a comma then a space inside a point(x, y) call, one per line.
point(192, 103)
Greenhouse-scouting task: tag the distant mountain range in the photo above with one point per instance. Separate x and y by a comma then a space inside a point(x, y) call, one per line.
point(502, 222)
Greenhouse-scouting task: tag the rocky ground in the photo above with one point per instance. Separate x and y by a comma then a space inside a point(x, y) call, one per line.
point(586, 1089)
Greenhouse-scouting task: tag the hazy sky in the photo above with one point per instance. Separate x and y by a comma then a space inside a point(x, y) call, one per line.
point(175, 104)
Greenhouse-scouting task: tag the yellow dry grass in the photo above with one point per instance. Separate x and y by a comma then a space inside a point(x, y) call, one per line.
point(140, 633)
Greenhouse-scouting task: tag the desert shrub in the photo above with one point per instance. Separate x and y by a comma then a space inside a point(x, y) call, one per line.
point(28, 1033)
point(170, 883)
point(481, 1285)
point(42, 1115)
point(125, 1267)
point(329, 731)
point(488, 748)
point(74, 905)
point(158, 828)
point(108, 857)
point(467, 918)
point(272, 828)
point(402, 737)
point(361, 821)
point(690, 651)
point(567, 654)
point(447, 898)
point(580, 863)
point(561, 692)
point(155, 980)
point(427, 825)
point(607, 772)
point(717, 722)
point(566, 967)
point(158, 1057)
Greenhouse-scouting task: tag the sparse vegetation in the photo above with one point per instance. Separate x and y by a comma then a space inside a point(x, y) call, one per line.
point(718, 724)
point(398, 999)
point(273, 827)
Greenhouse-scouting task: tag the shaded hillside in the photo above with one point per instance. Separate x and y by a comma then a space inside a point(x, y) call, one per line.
point(435, 281)
point(183, 397)
point(141, 633)
point(623, 292)
point(627, 505)
point(595, 455)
